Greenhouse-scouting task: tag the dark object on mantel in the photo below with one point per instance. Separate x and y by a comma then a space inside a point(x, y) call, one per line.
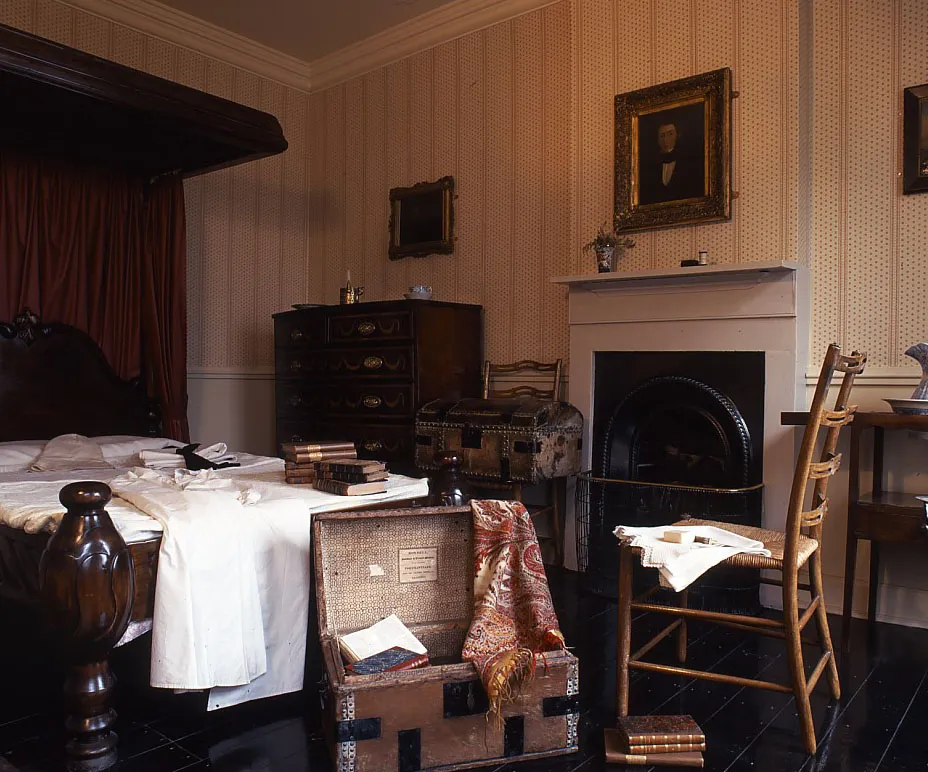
point(82, 106)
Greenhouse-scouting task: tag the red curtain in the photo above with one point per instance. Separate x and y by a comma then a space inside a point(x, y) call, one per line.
point(105, 252)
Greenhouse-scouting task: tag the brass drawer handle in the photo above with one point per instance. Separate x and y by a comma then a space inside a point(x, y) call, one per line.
point(372, 401)
point(295, 365)
point(372, 446)
point(372, 363)
point(296, 400)
point(296, 335)
point(366, 327)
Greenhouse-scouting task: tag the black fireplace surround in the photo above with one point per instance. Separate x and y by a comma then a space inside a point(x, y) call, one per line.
point(673, 433)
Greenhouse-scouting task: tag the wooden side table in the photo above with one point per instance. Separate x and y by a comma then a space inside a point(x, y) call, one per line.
point(878, 515)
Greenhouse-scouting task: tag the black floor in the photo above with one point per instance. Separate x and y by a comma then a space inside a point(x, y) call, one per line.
point(881, 722)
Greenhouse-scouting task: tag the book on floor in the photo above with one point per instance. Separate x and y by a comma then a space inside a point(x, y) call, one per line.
point(658, 730)
point(617, 753)
point(324, 455)
point(392, 660)
point(380, 636)
point(340, 488)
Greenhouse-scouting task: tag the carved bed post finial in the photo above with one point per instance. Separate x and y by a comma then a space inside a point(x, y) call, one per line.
point(26, 323)
point(87, 581)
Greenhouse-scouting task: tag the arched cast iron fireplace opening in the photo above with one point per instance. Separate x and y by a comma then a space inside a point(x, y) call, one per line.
point(675, 435)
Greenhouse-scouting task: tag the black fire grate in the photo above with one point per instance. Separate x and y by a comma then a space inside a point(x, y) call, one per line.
point(603, 504)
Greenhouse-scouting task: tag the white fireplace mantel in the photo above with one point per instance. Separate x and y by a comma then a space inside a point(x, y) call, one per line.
point(697, 273)
point(760, 306)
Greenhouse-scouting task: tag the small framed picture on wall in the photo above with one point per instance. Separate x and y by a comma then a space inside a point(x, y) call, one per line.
point(673, 153)
point(915, 139)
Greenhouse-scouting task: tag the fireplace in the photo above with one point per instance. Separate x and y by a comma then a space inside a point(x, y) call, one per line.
point(681, 375)
point(675, 434)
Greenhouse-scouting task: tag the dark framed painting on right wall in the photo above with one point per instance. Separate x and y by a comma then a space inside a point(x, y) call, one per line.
point(915, 139)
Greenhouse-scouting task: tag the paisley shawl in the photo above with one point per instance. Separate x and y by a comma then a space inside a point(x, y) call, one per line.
point(514, 617)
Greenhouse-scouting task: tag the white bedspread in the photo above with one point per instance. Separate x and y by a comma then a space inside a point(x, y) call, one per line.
point(232, 592)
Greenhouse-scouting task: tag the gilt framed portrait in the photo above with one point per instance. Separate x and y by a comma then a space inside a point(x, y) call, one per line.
point(673, 153)
point(915, 139)
point(422, 219)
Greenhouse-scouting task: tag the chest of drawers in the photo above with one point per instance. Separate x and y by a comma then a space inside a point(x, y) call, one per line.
point(360, 371)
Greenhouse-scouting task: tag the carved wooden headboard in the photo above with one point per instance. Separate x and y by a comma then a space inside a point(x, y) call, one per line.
point(55, 380)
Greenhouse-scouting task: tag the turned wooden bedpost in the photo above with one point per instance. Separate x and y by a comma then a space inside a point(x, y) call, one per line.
point(88, 581)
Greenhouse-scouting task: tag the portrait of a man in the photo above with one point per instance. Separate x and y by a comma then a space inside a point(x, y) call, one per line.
point(672, 154)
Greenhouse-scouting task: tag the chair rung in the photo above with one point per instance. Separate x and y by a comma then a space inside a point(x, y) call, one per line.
point(838, 417)
point(704, 676)
point(657, 639)
point(815, 516)
point(709, 616)
point(779, 583)
point(825, 468)
point(810, 610)
point(817, 673)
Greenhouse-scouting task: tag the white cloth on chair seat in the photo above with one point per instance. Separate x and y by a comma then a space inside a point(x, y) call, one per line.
point(680, 565)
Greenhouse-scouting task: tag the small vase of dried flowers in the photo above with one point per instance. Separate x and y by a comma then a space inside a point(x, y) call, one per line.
point(609, 247)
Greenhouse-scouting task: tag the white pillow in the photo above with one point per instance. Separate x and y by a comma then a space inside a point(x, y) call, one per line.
point(69, 452)
point(126, 446)
point(18, 456)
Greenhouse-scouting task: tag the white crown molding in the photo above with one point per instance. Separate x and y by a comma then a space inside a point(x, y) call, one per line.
point(182, 29)
point(447, 22)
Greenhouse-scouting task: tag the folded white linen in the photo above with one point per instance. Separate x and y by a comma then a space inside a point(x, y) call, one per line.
point(218, 453)
point(207, 628)
point(68, 452)
point(679, 565)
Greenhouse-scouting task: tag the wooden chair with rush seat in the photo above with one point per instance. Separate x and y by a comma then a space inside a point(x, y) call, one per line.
point(798, 545)
point(557, 486)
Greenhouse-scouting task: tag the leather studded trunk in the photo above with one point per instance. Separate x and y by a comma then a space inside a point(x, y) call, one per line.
point(507, 440)
point(417, 563)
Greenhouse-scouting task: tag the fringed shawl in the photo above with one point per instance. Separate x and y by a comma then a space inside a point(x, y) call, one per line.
point(514, 617)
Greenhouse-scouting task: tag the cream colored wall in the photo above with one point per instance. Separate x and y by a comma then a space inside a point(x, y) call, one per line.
point(521, 114)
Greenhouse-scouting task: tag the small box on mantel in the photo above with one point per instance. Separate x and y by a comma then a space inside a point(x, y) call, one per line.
point(418, 564)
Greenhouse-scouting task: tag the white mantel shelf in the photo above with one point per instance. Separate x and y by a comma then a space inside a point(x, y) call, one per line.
point(593, 281)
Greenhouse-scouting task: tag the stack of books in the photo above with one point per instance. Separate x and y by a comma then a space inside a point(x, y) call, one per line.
point(351, 477)
point(300, 458)
point(385, 647)
point(673, 741)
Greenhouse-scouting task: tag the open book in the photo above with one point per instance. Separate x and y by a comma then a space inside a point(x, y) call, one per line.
point(379, 637)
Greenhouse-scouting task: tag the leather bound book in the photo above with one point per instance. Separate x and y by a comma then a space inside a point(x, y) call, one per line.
point(350, 489)
point(320, 455)
point(351, 476)
point(315, 447)
point(300, 479)
point(639, 731)
point(667, 748)
point(617, 753)
point(388, 661)
point(355, 466)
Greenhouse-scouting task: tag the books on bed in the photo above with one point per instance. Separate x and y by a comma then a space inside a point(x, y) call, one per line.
point(385, 636)
point(655, 741)
point(300, 458)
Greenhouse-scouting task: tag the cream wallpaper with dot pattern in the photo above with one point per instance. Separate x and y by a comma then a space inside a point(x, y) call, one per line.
point(521, 115)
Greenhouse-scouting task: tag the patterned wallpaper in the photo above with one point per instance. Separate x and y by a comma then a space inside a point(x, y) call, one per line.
point(521, 115)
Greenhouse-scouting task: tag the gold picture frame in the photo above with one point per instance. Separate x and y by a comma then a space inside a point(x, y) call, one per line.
point(422, 219)
point(673, 153)
point(915, 139)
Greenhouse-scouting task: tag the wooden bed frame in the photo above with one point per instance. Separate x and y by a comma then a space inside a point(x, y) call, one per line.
point(84, 579)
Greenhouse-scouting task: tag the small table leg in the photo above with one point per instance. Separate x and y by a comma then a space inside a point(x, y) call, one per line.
point(850, 561)
point(874, 583)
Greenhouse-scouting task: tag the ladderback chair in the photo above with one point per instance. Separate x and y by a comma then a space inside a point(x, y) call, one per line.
point(523, 367)
point(557, 486)
point(800, 543)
